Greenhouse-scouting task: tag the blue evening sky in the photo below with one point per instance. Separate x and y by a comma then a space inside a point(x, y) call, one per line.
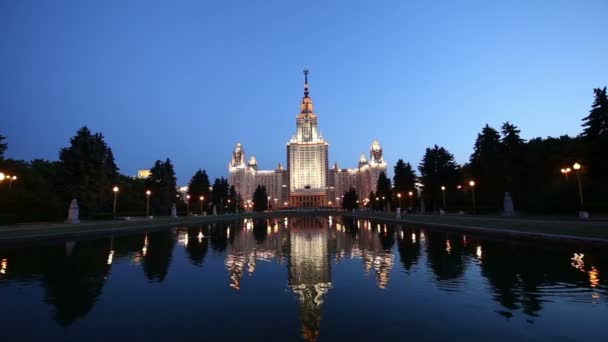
point(189, 79)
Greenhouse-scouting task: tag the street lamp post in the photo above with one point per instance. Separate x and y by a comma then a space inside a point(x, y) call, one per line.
point(202, 198)
point(268, 203)
point(443, 194)
point(115, 190)
point(275, 203)
point(577, 168)
point(10, 181)
point(472, 184)
point(148, 192)
point(399, 197)
point(187, 205)
point(411, 195)
point(566, 171)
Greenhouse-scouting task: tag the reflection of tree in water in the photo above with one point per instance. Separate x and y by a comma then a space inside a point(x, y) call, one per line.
point(445, 258)
point(260, 229)
point(158, 255)
point(409, 250)
point(521, 276)
point(197, 246)
point(72, 275)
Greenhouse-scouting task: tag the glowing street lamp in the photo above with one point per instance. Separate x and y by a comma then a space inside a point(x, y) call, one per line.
point(148, 193)
point(202, 198)
point(2, 176)
point(566, 171)
point(115, 190)
point(187, 205)
point(472, 185)
point(11, 179)
point(443, 194)
point(577, 167)
point(411, 195)
point(399, 197)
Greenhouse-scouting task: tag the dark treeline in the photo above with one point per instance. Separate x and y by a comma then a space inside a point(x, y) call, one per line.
point(86, 171)
point(530, 171)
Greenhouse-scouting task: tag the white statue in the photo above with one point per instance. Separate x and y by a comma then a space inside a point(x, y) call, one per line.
point(73, 212)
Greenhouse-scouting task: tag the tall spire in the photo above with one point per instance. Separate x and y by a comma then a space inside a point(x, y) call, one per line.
point(306, 71)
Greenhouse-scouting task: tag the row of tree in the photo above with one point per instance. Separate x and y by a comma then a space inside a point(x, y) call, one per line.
point(86, 170)
point(501, 162)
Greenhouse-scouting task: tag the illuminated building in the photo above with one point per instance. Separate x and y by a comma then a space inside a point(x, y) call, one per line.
point(143, 174)
point(307, 181)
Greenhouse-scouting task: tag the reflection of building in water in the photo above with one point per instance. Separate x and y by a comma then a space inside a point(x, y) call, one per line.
point(309, 270)
point(367, 246)
point(246, 251)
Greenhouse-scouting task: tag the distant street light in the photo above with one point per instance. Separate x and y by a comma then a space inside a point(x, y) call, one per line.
point(577, 168)
point(115, 190)
point(411, 195)
point(472, 184)
point(565, 172)
point(202, 198)
point(11, 179)
point(148, 192)
point(399, 197)
point(187, 205)
point(443, 194)
point(2, 176)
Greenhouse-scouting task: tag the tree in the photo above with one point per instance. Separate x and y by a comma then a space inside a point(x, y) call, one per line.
point(596, 123)
point(383, 191)
point(220, 194)
point(513, 163)
point(595, 138)
point(438, 169)
point(349, 201)
point(3, 146)
point(260, 199)
point(88, 171)
point(487, 168)
point(199, 186)
point(163, 185)
point(404, 177)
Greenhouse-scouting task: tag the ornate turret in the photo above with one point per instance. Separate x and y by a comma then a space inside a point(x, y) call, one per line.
point(375, 152)
point(238, 156)
point(362, 160)
point(306, 106)
point(253, 163)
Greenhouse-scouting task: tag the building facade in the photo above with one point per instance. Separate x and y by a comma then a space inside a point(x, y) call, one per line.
point(308, 181)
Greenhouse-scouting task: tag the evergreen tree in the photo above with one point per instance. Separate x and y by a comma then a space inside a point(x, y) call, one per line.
point(438, 169)
point(384, 191)
point(163, 184)
point(595, 138)
point(199, 186)
point(3, 146)
point(88, 171)
point(404, 178)
point(260, 199)
point(596, 123)
point(349, 200)
point(487, 168)
point(513, 163)
point(220, 194)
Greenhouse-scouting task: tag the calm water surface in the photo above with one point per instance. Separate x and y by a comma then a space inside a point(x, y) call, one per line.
point(310, 278)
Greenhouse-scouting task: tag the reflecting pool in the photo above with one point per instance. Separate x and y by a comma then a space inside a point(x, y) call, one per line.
point(302, 278)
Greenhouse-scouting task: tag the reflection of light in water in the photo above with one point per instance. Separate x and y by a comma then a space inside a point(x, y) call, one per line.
point(110, 257)
point(422, 237)
point(228, 232)
point(144, 250)
point(338, 226)
point(594, 277)
point(413, 238)
point(3, 266)
point(577, 261)
point(330, 221)
point(464, 240)
point(378, 228)
point(448, 246)
point(200, 236)
point(268, 230)
point(402, 235)
point(478, 251)
point(358, 224)
point(276, 227)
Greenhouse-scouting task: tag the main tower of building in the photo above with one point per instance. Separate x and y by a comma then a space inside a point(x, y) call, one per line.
point(307, 159)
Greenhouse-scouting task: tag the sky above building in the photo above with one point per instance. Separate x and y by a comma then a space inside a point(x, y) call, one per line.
point(189, 79)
